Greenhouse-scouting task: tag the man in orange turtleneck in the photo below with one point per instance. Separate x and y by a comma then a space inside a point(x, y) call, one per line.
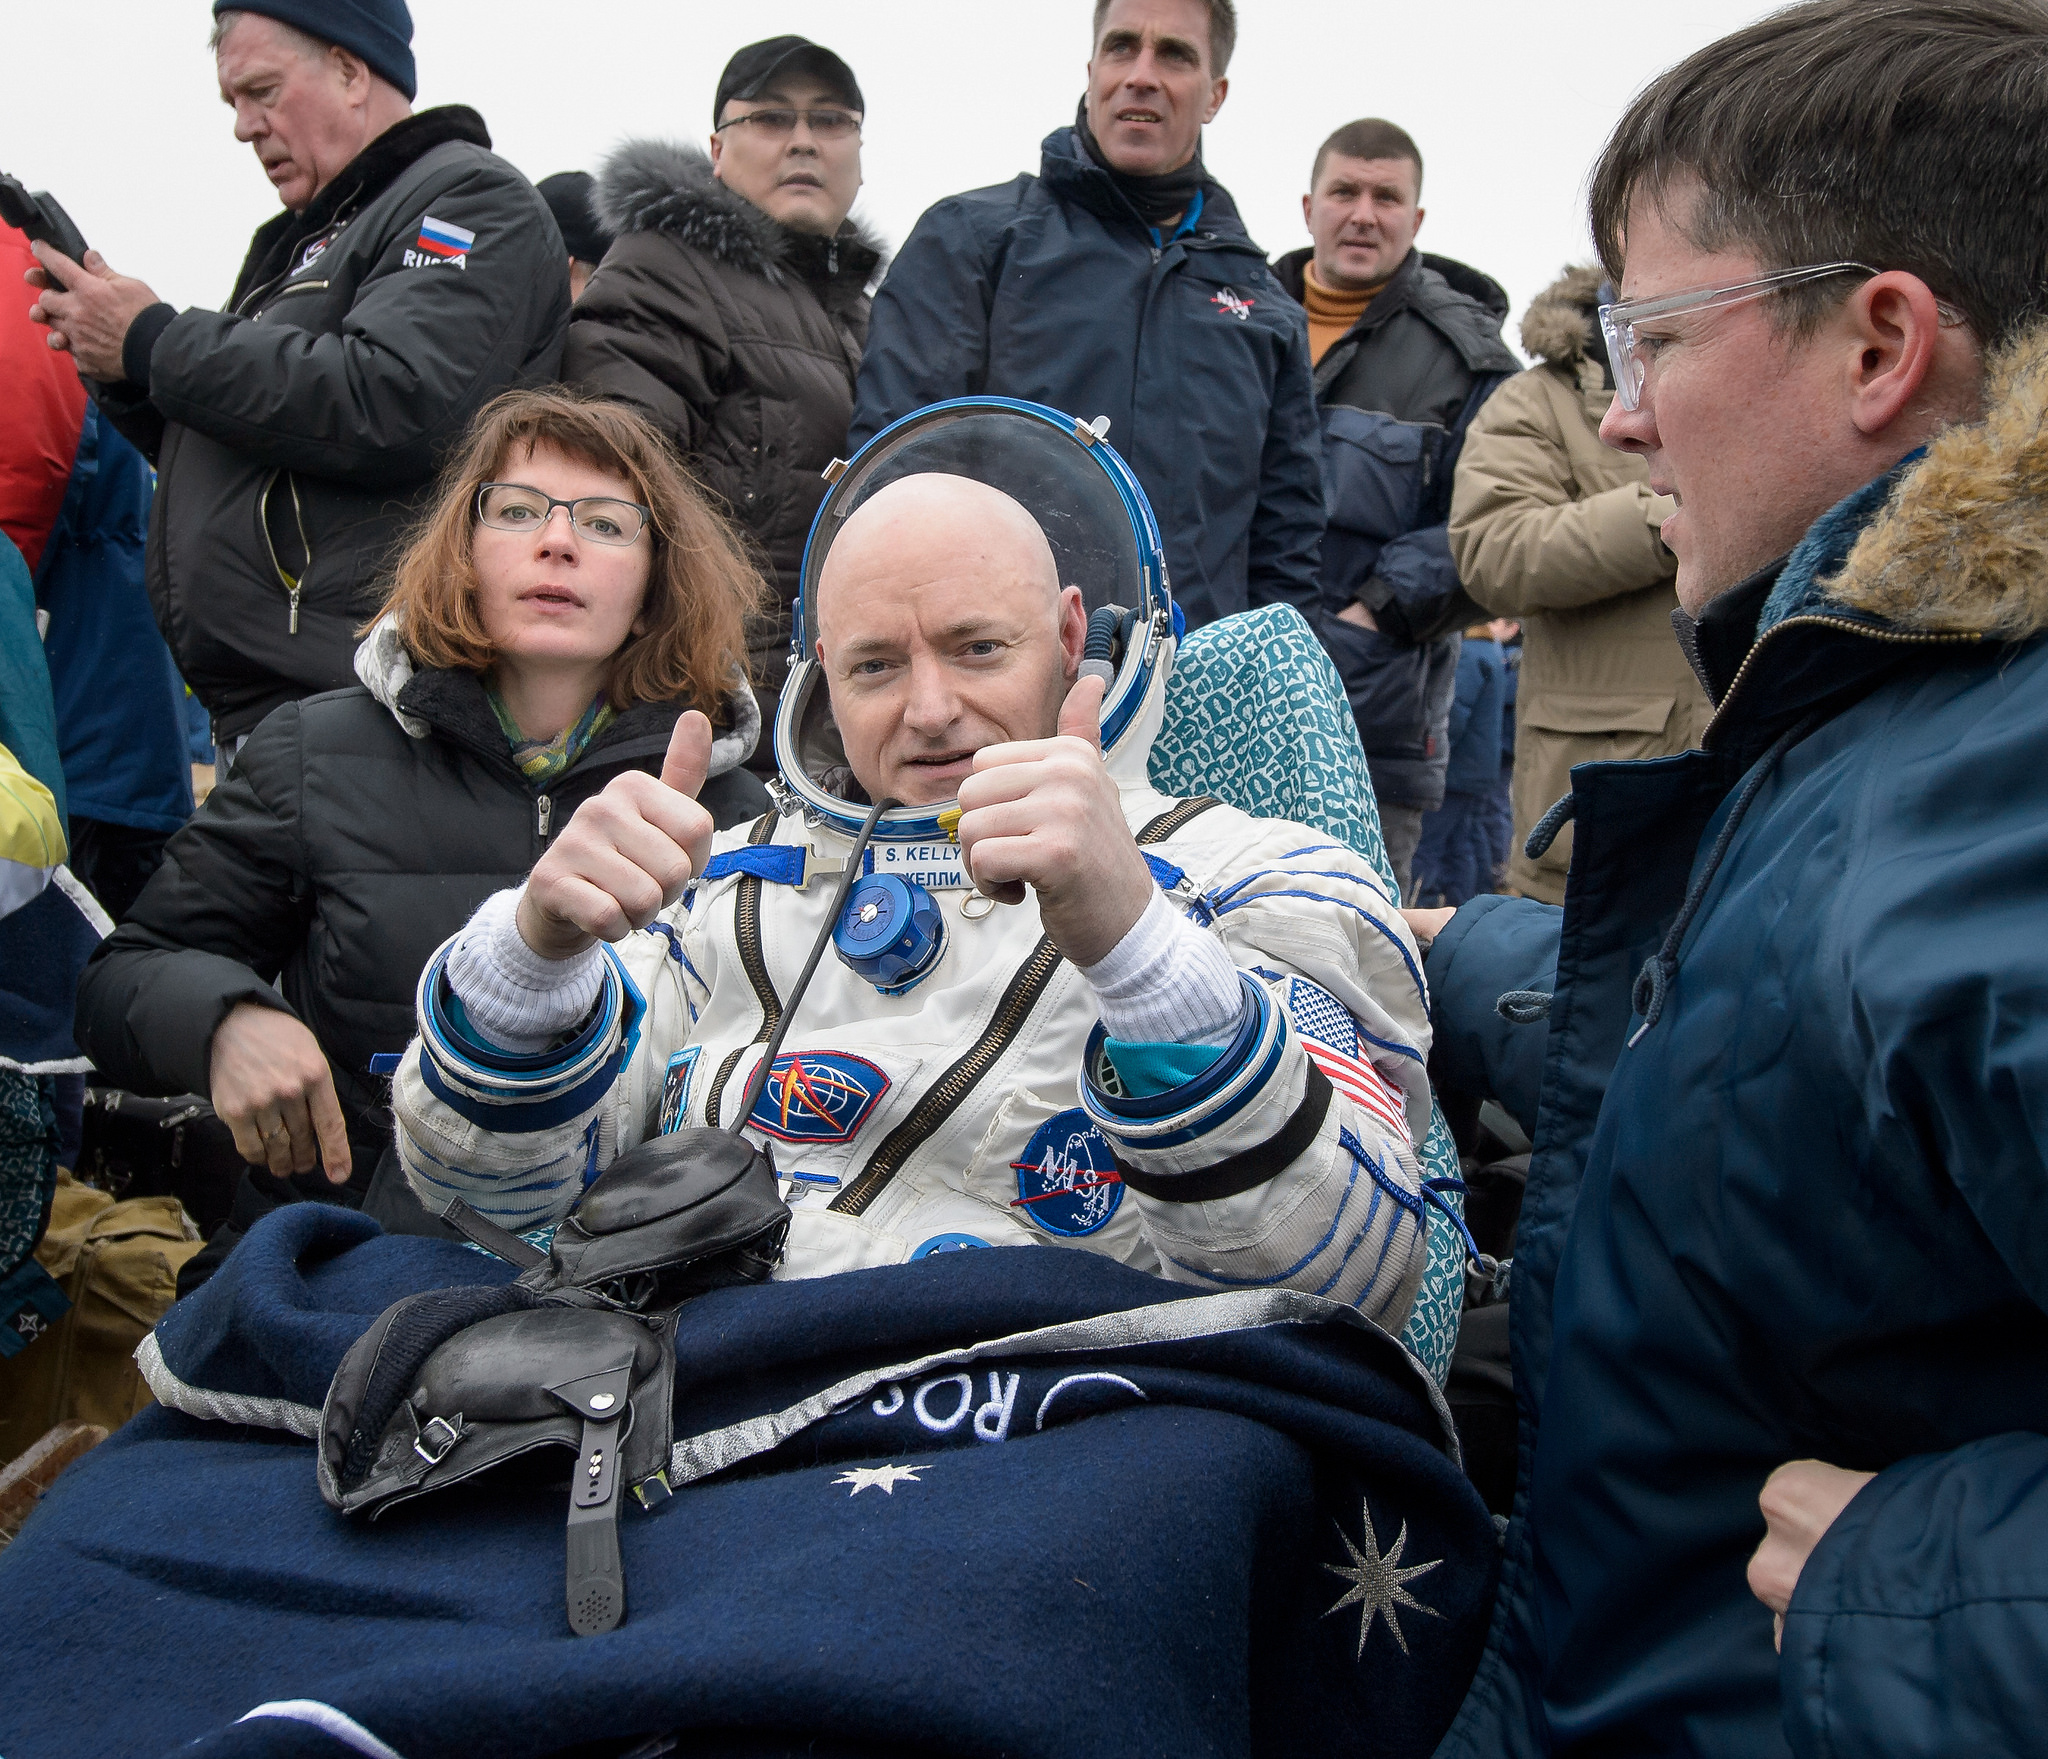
point(1406, 347)
point(1333, 310)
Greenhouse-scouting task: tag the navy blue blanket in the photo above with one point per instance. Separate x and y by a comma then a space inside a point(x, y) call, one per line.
point(1202, 1525)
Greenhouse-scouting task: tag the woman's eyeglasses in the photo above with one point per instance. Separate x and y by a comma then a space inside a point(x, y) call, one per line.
point(600, 518)
point(825, 124)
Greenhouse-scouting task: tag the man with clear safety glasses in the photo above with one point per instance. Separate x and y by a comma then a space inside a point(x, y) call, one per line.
point(1778, 1305)
point(733, 306)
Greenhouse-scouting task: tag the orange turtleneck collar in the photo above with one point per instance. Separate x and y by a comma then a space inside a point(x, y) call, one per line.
point(1331, 313)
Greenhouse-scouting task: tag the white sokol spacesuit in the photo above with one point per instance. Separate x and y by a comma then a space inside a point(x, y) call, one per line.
point(956, 1090)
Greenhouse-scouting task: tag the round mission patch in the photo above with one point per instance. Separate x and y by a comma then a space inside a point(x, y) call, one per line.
point(1067, 1180)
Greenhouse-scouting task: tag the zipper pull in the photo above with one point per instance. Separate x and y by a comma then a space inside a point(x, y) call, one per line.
point(295, 610)
point(543, 813)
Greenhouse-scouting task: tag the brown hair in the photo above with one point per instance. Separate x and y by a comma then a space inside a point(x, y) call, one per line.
point(700, 585)
point(1906, 134)
point(1372, 137)
point(1222, 33)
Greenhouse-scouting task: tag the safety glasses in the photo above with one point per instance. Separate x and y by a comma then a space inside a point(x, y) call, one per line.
point(1627, 352)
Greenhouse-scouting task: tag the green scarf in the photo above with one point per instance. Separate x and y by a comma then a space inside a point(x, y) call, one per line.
point(540, 761)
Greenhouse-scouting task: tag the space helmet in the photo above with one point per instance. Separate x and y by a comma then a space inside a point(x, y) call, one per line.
point(1104, 540)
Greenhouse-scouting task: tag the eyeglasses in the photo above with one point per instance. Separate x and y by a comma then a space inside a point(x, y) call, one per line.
point(600, 518)
point(825, 124)
point(1627, 351)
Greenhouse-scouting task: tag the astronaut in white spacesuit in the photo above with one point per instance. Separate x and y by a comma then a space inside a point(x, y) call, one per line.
point(1165, 1031)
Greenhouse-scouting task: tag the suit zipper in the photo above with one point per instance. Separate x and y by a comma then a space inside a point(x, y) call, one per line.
point(942, 1099)
point(754, 962)
point(1843, 623)
point(1012, 1010)
point(543, 814)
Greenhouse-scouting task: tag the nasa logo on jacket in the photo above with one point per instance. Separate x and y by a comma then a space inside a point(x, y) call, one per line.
point(1067, 1180)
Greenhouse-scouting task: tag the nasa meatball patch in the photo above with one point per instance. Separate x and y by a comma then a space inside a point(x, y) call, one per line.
point(1067, 1180)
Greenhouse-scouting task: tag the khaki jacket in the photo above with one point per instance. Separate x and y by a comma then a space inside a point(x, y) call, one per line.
point(1550, 526)
point(118, 1263)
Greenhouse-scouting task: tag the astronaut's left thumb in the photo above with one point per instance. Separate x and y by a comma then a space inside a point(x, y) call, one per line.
point(1081, 713)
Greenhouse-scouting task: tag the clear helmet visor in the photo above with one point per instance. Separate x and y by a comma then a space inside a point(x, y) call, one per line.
point(1096, 520)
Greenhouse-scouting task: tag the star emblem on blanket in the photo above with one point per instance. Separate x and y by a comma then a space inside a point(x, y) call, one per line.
point(1378, 1582)
point(882, 1478)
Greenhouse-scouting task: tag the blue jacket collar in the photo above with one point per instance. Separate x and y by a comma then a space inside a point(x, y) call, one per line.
point(1071, 176)
point(1816, 560)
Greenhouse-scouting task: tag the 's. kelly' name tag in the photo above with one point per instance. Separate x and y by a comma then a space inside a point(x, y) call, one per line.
point(936, 865)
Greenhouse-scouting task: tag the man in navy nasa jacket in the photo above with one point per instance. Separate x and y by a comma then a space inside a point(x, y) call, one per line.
point(1120, 282)
point(1778, 1298)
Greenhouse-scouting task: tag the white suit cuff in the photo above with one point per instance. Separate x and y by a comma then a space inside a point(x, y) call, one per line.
point(1167, 982)
point(518, 1001)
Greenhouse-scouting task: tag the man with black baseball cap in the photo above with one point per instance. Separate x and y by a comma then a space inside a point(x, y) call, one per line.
point(412, 277)
point(754, 70)
point(732, 306)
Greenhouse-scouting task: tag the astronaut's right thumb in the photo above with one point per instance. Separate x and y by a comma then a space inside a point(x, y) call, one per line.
point(689, 754)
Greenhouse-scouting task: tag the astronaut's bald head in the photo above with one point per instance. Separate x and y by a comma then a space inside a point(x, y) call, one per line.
point(942, 627)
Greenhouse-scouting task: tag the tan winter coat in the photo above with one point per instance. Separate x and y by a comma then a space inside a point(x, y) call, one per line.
point(1550, 526)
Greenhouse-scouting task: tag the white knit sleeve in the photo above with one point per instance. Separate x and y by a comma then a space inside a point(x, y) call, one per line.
point(1167, 982)
point(518, 1001)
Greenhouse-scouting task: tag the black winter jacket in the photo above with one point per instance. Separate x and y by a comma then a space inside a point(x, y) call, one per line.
point(739, 337)
point(338, 854)
point(1052, 289)
point(1396, 393)
point(297, 432)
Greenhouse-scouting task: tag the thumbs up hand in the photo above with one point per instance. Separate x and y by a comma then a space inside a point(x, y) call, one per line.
point(625, 856)
point(1044, 813)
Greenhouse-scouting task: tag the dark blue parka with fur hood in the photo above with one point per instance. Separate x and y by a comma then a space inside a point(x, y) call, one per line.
point(1791, 1204)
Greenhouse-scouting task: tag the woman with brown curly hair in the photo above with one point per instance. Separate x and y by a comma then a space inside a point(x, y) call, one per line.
point(566, 599)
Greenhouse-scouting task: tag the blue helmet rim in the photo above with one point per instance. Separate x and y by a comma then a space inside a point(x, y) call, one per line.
point(1126, 695)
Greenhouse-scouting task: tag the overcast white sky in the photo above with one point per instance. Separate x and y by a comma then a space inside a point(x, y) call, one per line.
point(112, 105)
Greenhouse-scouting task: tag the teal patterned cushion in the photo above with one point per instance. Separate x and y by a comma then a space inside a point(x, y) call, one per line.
point(1255, 715)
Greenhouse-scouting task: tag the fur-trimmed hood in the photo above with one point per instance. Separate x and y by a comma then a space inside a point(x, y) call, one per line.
point(665, 186)
point(1962, 544)
point(1558, 326)
point(385, 666)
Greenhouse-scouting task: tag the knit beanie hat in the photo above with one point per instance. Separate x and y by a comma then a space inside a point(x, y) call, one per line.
point(379, 31)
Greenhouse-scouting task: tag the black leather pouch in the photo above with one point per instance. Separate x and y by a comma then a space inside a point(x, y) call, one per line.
point(455, 1382)
point(679, 1214)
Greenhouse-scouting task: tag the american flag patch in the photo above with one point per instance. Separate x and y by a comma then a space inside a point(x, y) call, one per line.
point(1330, 1036)
point(439, 238)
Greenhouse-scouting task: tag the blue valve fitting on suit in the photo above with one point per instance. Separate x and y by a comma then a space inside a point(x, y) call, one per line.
point(891, 932)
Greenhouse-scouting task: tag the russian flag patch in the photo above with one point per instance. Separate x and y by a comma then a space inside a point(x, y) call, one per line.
point(439, 238)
